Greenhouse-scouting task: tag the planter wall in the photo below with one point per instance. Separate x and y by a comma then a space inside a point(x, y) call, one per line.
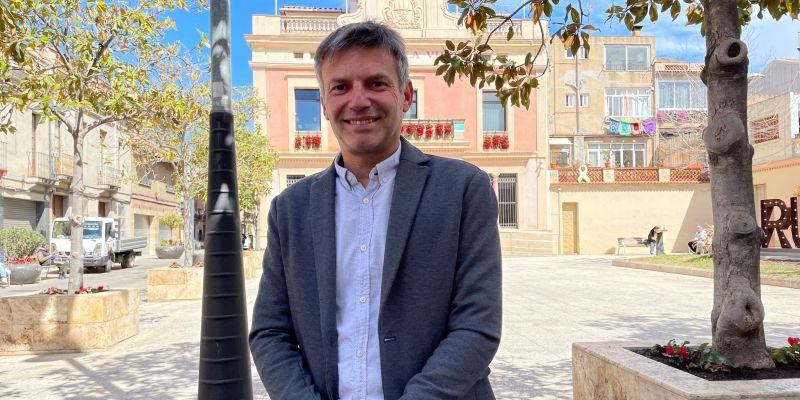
point(43, 323)
point(174, 283)
point(607, 370)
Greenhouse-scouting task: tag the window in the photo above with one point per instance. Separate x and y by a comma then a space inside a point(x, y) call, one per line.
point(507, 200)
point(581, 53)
point(631, 103)
point(412, 111)
point(584, 100)
point(307, 110)
point(569, 100)
point(618, 154)
point(627, 58)
point(494, 115)
point(681, 95)
point(765, 129)
point(298, 55)
point(292, 179)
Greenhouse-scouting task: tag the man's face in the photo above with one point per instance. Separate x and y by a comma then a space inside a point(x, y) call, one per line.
point(362, 100)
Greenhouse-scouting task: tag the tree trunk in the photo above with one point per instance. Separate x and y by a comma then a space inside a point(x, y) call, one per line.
point(738, 314)
point(76, 201)
point(188, 235)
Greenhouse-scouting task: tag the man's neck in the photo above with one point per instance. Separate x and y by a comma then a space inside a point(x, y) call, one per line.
point(362, 165)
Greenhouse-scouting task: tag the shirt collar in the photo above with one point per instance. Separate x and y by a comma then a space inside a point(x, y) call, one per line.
point(383, 172)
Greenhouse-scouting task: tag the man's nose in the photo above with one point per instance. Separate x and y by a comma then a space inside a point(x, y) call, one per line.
point(359, 97)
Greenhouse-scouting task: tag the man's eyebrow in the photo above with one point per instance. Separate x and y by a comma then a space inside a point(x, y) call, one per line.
point(375, 76)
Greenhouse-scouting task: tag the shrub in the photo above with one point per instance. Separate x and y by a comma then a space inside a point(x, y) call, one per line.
point(171, 219)
point(19, 242)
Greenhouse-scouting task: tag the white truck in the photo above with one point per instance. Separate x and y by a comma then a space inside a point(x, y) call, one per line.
point(102, 245)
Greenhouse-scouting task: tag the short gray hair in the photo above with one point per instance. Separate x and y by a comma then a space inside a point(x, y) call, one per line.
point(363, 35)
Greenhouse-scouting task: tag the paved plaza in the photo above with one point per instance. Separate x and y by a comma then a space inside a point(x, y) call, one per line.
point(550, 302)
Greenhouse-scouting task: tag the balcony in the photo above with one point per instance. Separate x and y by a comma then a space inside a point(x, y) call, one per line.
point(3, 159)
point(321, 25)
point(429, 130)
point(600, 175)
point(108, 179)
point(496, 141)
point(307, 141)
point(41, 170)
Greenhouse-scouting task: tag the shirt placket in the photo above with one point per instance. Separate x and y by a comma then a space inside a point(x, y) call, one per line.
point(364, 235)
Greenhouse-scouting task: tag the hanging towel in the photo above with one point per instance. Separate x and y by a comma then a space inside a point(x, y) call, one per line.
point(649, 126)
point(613, 127)
point(625, 129)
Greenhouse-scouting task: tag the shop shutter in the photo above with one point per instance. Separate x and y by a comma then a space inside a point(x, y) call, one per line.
point(141, 227)
point(19, 213)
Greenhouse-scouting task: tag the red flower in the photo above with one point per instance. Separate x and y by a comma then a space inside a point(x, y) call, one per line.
point(298, 143)
point(439, 129)
point(308, 141)
point(428, 134)
point(428, 131)
point(670, 351)
point(420, 129)
point(496, 141)
point(100, 288)
point(504, 142)
point(487, 143)
point(793, 341)
point(448, 128)
point(410, 129)
point(316, 141)
point(684, 352)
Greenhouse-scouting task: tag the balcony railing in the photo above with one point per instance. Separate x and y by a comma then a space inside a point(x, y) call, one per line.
point(40, 165)
point(306, 25)
point(517, 24)
point(4, 156)
point(597, 175)
point(64, 164)
point(496, 140)
point(307, 141)
point(429, 130)
point(630, 66)
point(108, 175)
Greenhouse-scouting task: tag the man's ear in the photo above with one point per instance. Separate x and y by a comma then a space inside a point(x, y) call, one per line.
point(408, 95)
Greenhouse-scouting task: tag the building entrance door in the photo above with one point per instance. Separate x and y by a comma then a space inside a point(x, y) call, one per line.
point(569, 228)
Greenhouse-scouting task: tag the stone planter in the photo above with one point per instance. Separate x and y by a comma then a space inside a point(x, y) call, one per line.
point(21, 274)
point(174, 283)
point(43, 323)
point(169, 252)
point(607, 370)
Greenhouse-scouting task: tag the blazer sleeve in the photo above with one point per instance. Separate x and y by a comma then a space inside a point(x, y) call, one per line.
point(475, 319)
point(273, 342)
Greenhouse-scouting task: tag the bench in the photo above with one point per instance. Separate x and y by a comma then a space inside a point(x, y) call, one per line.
point(623, 242)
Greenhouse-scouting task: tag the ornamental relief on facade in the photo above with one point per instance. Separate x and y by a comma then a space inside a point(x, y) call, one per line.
point(403, 14)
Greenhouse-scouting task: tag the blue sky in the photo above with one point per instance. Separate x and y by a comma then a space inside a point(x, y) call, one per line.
point(766, 39)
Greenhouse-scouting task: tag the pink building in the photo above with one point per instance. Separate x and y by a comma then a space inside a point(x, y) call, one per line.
point(459, 121)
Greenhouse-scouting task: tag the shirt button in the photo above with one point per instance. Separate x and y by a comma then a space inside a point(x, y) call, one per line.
point(385, 180)
point(359, 354)
point(362, 299)
point(365, 200)
point(363, 247)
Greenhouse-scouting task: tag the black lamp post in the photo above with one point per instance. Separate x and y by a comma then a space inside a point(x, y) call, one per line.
point(224, 352)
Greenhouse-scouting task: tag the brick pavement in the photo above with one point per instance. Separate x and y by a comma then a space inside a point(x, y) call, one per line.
point(550, 302)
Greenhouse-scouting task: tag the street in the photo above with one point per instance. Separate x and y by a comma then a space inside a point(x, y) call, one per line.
point(135, 277)
point(549, 303)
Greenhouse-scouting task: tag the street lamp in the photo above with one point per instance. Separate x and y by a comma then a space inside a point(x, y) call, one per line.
point(224, 352)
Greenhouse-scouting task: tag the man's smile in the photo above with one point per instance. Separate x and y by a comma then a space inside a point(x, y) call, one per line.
point(360, 121)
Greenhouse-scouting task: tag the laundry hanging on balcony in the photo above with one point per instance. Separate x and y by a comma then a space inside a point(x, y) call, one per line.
point(631, 126)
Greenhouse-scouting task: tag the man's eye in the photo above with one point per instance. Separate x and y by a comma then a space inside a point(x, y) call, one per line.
point(378, 84)
point(338, 87)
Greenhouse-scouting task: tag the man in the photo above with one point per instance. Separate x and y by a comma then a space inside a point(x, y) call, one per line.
point(382, 272)
point(698, 243)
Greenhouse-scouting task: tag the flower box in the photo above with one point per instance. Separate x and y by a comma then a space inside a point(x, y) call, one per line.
point(43, 323)
point(608, 370)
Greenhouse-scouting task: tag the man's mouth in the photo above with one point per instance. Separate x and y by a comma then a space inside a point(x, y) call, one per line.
point(361, 121)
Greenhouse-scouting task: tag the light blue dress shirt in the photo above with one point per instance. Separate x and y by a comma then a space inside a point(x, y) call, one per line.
point(362, 219)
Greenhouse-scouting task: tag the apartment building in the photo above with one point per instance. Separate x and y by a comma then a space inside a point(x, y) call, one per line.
point(459, 121)
point(602, 102)
point(36, 165)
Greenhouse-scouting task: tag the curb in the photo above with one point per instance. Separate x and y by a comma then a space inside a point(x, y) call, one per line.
point(675, 269)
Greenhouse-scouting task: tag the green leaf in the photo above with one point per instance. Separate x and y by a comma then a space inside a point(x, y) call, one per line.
point(653, 13)
point(442, 68)
point(510, 33)
point(450, 46)
point(675, 9)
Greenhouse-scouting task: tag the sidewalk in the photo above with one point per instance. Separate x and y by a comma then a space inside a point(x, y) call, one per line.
point(550, 302)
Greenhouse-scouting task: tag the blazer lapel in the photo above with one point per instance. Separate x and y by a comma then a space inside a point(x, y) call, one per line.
point(412, 174)
point(323, 227)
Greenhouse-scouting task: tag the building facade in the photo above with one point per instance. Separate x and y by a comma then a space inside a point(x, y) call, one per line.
point(458, 121)
point(36, 165)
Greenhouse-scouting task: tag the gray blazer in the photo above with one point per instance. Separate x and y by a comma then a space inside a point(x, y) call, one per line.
point(440, 309)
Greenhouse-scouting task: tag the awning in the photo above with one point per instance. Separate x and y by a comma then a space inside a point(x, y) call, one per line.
point(560, 141)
